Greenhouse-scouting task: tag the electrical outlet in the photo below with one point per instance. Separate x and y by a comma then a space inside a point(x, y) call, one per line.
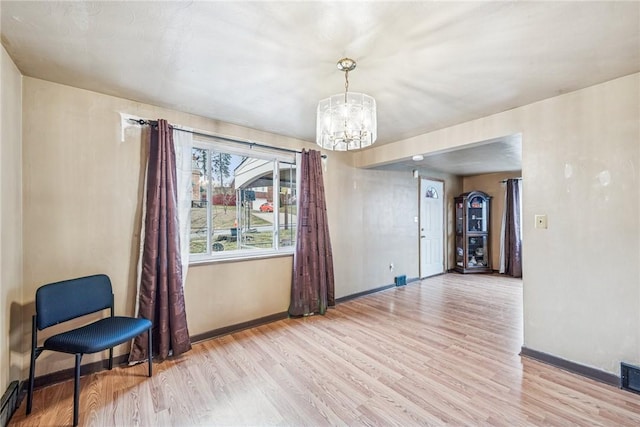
point(541, 221)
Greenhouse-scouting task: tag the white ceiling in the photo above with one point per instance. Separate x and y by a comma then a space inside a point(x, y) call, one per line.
point(266, 64)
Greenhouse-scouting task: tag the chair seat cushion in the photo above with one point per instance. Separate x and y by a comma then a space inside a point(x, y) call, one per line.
point(98, 336)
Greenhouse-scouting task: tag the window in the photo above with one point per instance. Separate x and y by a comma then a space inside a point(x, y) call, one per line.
point(243, 202)
point(431, 193)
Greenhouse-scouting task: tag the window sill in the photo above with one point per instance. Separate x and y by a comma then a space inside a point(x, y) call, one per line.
point(194, 262)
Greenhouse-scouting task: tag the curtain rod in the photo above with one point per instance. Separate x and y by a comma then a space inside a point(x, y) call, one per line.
point(251, 144)
point(505, 180)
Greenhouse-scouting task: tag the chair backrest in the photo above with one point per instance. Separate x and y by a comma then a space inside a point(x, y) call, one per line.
point(66, 300)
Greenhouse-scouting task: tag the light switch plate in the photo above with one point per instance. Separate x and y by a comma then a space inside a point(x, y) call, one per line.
point(541, 221)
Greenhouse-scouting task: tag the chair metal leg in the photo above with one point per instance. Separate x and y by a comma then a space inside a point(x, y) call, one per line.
point(150, 353)
point(32, 367)
point(76, 391)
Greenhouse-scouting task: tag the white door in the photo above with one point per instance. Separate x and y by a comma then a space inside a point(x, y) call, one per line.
point(431, 227)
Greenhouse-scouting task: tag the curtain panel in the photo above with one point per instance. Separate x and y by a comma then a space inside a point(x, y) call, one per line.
point(161, 296)
point(513, 229)
point(312, 289)
point(183, 143)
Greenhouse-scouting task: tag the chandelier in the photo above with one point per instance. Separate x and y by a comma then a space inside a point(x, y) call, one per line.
point(346, 121)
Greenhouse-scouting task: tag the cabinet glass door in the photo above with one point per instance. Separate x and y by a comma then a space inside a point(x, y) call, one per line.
point(477, 215)
point(459, 212)
point(477, 252)
point(459, 251)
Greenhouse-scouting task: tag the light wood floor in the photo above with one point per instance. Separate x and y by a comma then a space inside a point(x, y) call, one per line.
point(442, 351)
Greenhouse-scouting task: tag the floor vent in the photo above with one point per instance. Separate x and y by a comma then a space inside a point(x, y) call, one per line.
point(630, 377)
point(9, 403)
point(400, 280)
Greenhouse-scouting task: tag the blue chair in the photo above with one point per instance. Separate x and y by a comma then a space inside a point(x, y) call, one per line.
point(62, 301)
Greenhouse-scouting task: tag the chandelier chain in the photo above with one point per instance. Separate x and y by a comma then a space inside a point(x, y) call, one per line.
point(346, 84)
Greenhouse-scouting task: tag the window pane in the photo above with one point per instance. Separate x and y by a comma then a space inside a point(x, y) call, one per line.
point(257, 216)
point(224, 220)
point(288, 205)
point(198, 243)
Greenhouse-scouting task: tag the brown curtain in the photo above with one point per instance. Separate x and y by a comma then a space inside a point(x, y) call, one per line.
point(512, 240)
point(161, 297)
point(312, 289)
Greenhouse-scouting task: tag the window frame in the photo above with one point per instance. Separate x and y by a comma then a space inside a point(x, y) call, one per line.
point(278, 158)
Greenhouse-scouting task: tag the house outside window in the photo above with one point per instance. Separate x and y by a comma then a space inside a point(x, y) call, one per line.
point(243, 202)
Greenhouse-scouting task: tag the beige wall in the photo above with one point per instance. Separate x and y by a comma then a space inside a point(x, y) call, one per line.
point(491, 184)
point(10, 222)
point(580, 163)
point(229, 293)
point(371, 214)
point(581, 157)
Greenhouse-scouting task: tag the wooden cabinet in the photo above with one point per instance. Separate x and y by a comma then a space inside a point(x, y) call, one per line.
point(473, 251)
